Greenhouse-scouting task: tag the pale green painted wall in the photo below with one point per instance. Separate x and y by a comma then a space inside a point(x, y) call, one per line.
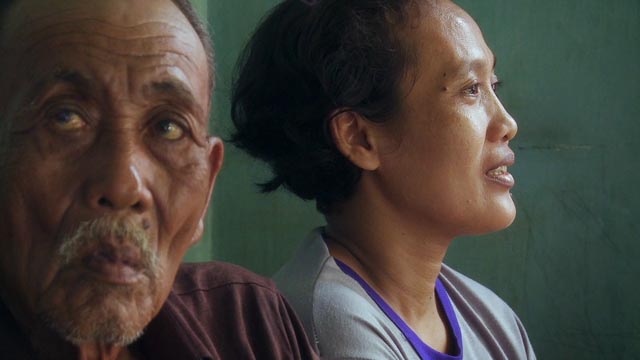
point(570, 263)
point(201, 7)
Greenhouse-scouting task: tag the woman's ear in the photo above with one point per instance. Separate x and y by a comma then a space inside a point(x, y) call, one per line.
point(354, 138)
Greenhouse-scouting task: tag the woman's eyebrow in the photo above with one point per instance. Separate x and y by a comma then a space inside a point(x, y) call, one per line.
point(464, 67)
point(479, 63)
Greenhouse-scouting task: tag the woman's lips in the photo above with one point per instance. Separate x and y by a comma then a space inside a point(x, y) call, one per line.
point(501, 176)
point(116, 264)
point(499, 173)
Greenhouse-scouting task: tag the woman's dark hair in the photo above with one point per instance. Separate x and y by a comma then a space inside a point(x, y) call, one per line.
point(4, 8)
point(307, 61)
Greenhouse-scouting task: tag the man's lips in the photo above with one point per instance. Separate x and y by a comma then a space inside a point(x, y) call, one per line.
point(499, 174)
point(117, 264)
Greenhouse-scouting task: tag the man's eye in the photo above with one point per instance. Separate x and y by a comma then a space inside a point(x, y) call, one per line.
point(169, 130)
point(67, 120)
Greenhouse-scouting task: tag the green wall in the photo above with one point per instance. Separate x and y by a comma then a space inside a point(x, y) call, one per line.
point(569, 265)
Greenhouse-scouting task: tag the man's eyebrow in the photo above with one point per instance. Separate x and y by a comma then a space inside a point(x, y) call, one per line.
point(174, 89)
point(66, 76)
point(72, 77)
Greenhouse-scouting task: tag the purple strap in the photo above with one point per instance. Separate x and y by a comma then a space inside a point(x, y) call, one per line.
point(424, 351)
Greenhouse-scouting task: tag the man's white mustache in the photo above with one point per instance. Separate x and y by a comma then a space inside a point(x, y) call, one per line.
point(94, 232)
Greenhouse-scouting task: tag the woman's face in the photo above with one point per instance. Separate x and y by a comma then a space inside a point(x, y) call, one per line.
point(446, 165)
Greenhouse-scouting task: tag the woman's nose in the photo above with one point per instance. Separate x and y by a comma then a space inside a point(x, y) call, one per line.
point(503, 127)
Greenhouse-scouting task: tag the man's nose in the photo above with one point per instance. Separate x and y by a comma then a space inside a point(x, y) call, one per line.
point(117, 181)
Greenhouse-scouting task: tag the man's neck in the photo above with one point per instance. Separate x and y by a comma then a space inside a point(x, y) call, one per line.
point(86, 351)
point(104, 352)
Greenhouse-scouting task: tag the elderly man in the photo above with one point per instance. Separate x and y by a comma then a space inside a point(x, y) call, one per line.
point(106, 168)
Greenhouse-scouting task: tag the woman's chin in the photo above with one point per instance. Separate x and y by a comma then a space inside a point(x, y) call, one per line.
point(501, 218)
point(491, 220)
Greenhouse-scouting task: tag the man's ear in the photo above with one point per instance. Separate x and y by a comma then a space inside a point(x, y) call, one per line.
point(354, 138)
point(216, 155)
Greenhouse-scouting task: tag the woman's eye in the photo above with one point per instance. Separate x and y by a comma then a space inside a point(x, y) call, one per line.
point(67, 120)
point(169, 130)
point(496, 85)
point(473, 89)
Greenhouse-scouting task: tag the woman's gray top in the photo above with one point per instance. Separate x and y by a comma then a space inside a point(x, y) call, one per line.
point(346, 323)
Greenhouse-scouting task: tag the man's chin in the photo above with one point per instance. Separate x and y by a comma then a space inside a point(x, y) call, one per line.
point(98, 313)
point(112, 331)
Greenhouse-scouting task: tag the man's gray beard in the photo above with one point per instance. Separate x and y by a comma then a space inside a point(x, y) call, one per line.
point(100, 317)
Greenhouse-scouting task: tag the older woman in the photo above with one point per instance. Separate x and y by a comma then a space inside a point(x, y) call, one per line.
point(385, 113)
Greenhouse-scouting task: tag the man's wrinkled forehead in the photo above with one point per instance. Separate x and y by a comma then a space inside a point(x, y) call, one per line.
point(150, 37)
point(122, 12)
point(139, 20)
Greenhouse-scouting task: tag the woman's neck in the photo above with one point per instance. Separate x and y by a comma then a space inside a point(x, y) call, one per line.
point(398, 259)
